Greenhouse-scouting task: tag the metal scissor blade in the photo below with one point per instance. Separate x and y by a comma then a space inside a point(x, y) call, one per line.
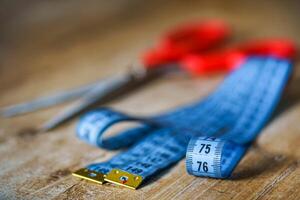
point(47, 101)
point(99, 92)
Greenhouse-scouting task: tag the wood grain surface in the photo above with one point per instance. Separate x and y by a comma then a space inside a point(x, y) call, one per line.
point(48, 46)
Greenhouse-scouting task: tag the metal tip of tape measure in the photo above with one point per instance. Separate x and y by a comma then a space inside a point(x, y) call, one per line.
point(122, 178)
point(90, 175)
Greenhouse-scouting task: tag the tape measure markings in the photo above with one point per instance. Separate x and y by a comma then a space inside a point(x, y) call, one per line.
point(235, 112)
point(148, 140)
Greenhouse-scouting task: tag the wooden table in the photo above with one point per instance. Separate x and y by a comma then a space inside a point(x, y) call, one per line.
point(48, 46)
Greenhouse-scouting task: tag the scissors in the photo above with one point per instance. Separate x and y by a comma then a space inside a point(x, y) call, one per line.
point(188, 47)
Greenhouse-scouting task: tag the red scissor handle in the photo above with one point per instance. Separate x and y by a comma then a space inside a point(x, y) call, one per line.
point(186, 45)
point(197, 64)
point(280, 48)
point(182, 40)
point(200, 64)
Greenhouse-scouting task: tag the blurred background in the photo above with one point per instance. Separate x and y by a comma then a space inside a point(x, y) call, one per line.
point(38, 36)
point(51, 45)
point(48, 46)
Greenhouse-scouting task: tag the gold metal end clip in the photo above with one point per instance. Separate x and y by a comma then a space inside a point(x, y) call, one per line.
point(90, 175)
point(123, 178)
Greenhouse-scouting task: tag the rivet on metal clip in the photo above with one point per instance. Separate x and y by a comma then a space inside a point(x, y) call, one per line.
point(90, 175)
point(123, 178)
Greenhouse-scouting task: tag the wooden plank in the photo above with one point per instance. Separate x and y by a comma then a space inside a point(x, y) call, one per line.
point(49, 46)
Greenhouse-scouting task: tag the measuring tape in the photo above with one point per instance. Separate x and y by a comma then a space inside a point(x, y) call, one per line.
point(213, 134)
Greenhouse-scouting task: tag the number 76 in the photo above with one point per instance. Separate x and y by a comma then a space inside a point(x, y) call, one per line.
point(202, 165)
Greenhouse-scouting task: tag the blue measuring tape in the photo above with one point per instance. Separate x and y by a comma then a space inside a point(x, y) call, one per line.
point(213, 134)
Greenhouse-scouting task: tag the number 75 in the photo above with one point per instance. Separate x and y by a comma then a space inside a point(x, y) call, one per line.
point(206, 147)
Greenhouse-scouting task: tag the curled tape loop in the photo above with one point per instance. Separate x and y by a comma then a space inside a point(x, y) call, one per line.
point(93, 125)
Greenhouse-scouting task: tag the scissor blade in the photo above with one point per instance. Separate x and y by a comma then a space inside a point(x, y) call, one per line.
point(99, 92)
point(47, 101)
